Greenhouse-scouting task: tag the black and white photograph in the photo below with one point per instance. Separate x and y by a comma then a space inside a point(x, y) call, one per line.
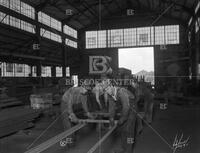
point(99, 76)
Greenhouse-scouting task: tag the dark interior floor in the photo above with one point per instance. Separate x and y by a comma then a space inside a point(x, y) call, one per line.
point(155, 139)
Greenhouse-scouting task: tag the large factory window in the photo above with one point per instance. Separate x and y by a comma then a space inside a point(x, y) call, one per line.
point(141, 36)
point(15, 70)
point(17, 23)
point(20, 7)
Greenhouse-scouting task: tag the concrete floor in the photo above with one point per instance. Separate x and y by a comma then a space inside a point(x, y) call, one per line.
point(166, 123)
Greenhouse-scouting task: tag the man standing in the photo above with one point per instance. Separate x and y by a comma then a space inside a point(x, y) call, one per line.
point(143, 92)
point(126, 103)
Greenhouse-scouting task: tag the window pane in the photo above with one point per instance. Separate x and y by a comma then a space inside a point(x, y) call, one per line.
point(44, 18)
point(67, 71)
point(27, 27)
point(4, 3)
point(15, 5)
point(50, 35)
point(143, 36)
point(27, 10)
point(55, 24)
point(46, 71)
point(4, 18)
point(58, 71)
point(70, 31)
point(102, 39)
point(91, 39)
point(116, 38)
point(71, 43)
point(19, 70)
point(129, 37)
point(172, 34)
point(14, 22)
point(152, 36)
point(159, 35)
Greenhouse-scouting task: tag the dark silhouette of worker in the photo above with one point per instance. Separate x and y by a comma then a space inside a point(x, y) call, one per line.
point(123, 101)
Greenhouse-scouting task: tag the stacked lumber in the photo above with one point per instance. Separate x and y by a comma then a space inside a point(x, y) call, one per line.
point(9, 102)
point(16, 119)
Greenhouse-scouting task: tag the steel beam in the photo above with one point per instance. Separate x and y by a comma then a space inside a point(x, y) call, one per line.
point(47, 144)
point(98, 144)
point(93, 121)
point(22, 56)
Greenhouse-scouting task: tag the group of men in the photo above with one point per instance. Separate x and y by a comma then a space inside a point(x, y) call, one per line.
point(116, 100)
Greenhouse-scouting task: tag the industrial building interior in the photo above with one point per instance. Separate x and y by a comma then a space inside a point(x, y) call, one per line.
point(85, 57)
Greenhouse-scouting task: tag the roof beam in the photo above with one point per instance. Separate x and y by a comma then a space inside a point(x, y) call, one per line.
point(80, 11)
point(62, 11)
point(41, 6)
point(150, 14)
point(34, 22)
point(90, 9)
point(185, 8)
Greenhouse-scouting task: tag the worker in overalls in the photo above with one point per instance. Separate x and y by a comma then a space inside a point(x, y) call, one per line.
point(123, 100)
point(73, 105)
point(144, 93)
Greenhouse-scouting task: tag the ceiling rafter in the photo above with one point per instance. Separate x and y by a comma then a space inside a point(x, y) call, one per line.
point(106, 8)
point(185, 8)
point(62, 11)
point(90, 9)
point(79, 10)
point(41, 6)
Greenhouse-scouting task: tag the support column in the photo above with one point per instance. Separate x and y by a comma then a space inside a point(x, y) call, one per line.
point(194, 60)
point(53, 71)
point(36, 46)
point(64, 61)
